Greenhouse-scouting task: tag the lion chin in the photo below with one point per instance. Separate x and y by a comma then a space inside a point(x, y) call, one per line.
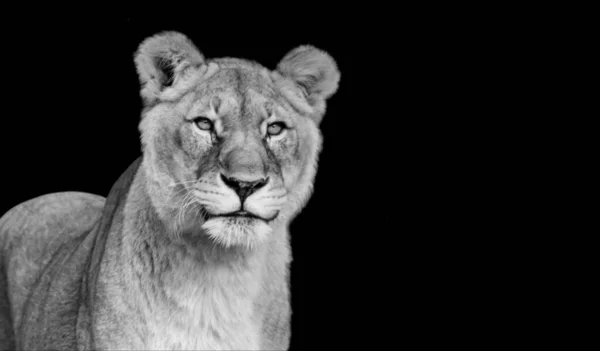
point(237, 231)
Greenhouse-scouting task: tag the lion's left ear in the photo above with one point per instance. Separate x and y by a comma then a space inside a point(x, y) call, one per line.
point(313, 71)
point(162, 60)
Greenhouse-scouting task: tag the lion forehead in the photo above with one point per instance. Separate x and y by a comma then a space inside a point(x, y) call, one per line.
point(242, 85)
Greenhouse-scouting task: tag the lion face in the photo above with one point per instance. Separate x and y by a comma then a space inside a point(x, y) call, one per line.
point(230, 148)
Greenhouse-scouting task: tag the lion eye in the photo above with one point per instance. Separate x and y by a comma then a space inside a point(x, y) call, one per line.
point(203, 123)
point(275, 128)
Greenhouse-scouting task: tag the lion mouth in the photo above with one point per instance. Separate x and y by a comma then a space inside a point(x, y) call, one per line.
point(238, 214)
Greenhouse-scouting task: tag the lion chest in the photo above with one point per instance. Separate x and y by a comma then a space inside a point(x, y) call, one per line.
point(176, 339)
point(204, 317)
point(211, 326)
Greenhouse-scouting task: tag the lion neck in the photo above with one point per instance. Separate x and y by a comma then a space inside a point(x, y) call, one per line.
point(184, 287)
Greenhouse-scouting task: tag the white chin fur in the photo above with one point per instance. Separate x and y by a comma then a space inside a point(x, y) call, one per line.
point(230, 232)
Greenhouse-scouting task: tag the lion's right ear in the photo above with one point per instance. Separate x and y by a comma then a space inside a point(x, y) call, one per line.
point(162, 60)
point(313, 73)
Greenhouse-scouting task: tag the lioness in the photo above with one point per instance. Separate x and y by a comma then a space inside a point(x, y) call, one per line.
point(190, 249)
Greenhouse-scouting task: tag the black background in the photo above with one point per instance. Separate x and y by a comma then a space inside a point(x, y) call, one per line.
point(71, 124)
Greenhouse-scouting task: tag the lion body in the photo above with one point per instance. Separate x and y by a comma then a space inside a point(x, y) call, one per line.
point(190, 249)
point(34, 234)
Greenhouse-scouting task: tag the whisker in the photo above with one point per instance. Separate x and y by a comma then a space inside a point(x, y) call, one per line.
point(180, 217)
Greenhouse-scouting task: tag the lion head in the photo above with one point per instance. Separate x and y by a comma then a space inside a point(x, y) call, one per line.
point(230, 147)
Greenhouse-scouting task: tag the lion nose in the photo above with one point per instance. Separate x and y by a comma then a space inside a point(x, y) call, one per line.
point(244, 188)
